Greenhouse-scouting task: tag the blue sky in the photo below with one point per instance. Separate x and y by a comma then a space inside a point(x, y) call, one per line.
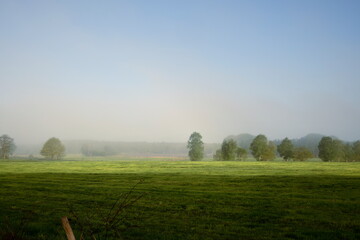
point(158, 70)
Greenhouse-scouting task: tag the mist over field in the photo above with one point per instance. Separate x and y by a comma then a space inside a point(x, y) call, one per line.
point(180, 119)
point(157, 71)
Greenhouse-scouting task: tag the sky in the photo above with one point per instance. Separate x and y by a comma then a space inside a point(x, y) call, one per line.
point(157, 71)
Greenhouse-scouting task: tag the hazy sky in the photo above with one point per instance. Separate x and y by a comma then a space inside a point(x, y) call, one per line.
point(159, 70)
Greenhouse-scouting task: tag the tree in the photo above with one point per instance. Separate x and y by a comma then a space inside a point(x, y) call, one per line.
point(270, 152)
point(53, 148)
point(196, 147)
point(7, 146)
point(286, 149)
point(356, 151)
point(261, 149)
point(229, 150)
point(241, 153)
point(349, 154)
point(302, 154)
point(331, 150)
point(218, 156)
point(338, 150)
point(258, 146)
point(325, 149)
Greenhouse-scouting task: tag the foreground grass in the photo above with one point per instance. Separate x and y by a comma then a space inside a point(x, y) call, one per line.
point(192, 200)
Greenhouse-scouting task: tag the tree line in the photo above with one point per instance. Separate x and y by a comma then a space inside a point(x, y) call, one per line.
point(330, 149)
point(52, 148)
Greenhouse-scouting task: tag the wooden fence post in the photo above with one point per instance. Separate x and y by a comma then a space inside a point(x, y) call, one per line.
point(67, 228)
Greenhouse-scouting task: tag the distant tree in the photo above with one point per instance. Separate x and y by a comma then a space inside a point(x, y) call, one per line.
point(338, 150)
point(229, 150)
point(356, 151)
point(286, 149)
point(270, 152)
point(302, 154)
point(53, 149)
point(85, 150)
point(258, 146)
point(349, 154)
point(196, 147)
point(325, 149)
point(331, 150)
point(218, 156)
point(96, 151)
point(7, 146)
point(263, 150)
point(241, 153)
point(108, 150)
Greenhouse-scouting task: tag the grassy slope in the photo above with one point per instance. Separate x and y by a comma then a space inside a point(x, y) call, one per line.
point(193, 200)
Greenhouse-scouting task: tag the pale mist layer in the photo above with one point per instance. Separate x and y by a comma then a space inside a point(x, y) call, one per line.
point(165, 119)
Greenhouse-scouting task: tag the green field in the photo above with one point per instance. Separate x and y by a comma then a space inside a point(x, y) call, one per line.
point(189, 200)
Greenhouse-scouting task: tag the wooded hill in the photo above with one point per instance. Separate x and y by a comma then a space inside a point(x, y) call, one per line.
point(310, 141)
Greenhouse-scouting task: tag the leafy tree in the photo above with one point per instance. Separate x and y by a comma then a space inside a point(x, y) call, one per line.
point(356, 151)
point(218, 156)
point(229, 150)
point(325, 149)
point(241, 153)
point(196, 147)
point(53, 148)
point(338, 150)
point(331, 149)
point(286, 149)
point(302, 154)
point(349, 154)
point(259, 146)
point(7, 146)
point(270, 152)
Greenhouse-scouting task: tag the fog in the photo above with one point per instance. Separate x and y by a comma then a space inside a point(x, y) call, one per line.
point(133, 72)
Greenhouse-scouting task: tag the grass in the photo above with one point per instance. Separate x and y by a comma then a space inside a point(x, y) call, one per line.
point(191, 200)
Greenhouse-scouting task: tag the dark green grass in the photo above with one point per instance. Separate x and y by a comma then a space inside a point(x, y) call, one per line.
point(191, 200)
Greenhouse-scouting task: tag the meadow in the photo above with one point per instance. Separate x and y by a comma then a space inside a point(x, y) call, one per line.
point(187, 200)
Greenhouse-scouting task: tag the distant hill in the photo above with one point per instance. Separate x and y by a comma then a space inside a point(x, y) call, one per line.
point(310, 141)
